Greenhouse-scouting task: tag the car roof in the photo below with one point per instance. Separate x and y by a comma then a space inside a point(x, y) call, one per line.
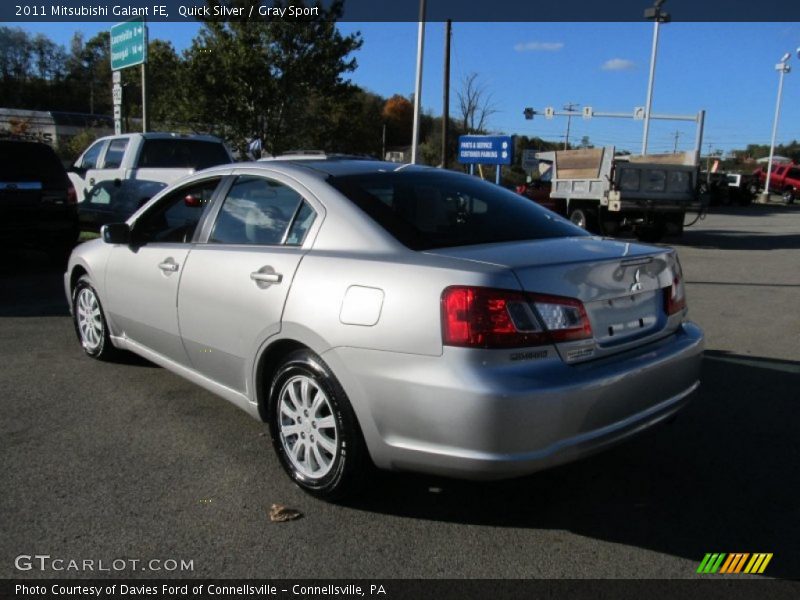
point(165, 135)
point(328, 166)
point(29, 142)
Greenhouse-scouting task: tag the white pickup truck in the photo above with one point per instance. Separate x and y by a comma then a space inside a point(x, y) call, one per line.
point(117, 174)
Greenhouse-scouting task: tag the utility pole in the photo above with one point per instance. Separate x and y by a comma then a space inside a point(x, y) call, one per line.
point(446, 95)
point(677, 134)
point(569, 108)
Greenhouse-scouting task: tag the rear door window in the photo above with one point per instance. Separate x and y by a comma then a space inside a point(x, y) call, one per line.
point(258, 210)
point(114, 154)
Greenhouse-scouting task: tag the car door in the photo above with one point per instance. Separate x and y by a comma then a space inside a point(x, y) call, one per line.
point(142, 278)
point(233, 289)
point(106, 200)
point(79, 174)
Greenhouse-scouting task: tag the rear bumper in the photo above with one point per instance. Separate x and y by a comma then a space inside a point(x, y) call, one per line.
point(471, 418)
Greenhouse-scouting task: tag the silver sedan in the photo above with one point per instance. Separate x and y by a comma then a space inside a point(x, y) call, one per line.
point(403, 317)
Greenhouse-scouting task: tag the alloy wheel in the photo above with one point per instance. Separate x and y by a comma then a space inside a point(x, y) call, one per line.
point(90, 319)
point(307, 427)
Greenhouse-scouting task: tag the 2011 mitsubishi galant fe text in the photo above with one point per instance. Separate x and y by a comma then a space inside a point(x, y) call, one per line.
point(401, 316)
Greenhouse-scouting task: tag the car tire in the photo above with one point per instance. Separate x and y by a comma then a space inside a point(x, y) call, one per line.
point(788, 196)
point(314, 430)
point(583, 218)
point(90, 321)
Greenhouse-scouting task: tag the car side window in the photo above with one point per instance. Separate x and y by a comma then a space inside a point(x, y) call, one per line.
point(793, 174)
point(89, 160)
point(175, 217)
point(258, 210)
point(303, 221)
point(114, 154)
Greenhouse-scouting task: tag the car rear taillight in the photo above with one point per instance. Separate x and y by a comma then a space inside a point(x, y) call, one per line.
point(72, 197)
point(564, 318)
point(480, 317)
point(675, 294)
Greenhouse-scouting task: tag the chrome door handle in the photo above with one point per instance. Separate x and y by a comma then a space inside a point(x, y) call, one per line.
point(261, 277)
point(168, 266)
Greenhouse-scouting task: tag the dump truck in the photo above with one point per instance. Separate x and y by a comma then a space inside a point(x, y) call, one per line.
point(607, 194)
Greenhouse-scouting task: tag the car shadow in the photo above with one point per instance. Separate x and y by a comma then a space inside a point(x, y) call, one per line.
point(754, 210)
point(33, 284)
point(738, 240)
point(723, 477)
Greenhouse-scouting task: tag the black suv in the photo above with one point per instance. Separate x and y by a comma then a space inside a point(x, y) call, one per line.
point(37, 201)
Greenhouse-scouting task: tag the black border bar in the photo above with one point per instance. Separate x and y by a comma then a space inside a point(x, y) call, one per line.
point(706, 588)
point(17, 11)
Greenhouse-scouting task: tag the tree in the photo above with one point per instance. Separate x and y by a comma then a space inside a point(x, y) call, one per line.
point(398, 114)
point(258, 79)
point(89, 73)
point(355, 125)
point(475, 105)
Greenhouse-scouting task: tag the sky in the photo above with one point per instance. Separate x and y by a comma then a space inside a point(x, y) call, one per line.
point(726, 69)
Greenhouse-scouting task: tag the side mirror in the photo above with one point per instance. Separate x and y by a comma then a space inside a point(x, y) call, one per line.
point(116, 233)
point(78, 170)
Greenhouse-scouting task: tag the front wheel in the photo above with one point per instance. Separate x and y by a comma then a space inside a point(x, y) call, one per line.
point(90, 321)
point(788, 196)
point(314, 430)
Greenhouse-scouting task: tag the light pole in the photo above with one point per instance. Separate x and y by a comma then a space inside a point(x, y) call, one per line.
point(782, 67)
point(418, 84)
point(657, 16)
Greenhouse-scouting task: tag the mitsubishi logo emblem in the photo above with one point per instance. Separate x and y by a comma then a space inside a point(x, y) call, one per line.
point(636, 286)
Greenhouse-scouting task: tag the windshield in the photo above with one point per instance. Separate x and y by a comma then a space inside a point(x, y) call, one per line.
point(441, 209)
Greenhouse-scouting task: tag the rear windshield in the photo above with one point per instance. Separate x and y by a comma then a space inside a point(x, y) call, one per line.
point(426, 210)
point(24, 161)
point(182, 154)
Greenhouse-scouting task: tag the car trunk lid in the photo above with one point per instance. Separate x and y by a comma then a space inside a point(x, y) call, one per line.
point(620, 284)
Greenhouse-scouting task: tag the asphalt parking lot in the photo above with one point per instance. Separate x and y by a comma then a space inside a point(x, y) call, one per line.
point(125, 460)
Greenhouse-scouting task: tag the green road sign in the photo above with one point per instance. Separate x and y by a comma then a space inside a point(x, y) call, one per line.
point(128, 44)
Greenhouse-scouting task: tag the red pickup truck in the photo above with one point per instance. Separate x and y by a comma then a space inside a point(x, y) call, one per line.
point(784, 179)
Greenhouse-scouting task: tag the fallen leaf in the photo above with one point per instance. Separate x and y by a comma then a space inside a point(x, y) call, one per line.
point(279, 513)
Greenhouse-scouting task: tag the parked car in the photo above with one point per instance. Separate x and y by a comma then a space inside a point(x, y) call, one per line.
point(784, 180)
point(118, 174)
point(37, 201)
point(405, 316)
